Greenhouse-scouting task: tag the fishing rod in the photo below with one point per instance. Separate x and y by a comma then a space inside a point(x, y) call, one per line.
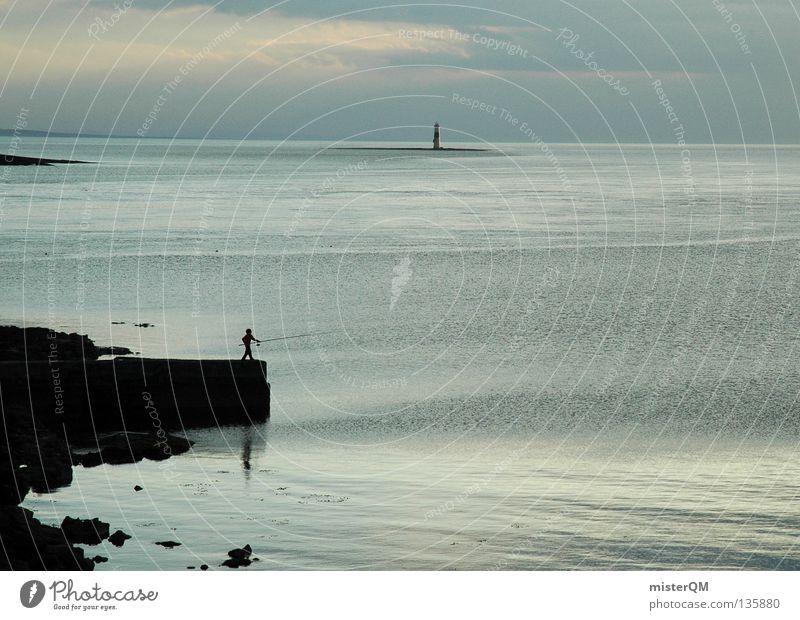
point(289, 337)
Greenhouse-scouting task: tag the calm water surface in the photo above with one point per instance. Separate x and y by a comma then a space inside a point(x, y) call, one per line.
point(586, 360)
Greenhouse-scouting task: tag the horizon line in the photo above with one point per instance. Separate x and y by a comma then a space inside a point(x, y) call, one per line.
point(36, 133)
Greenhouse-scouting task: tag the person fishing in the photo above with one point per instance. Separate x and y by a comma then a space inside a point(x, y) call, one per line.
point(247, 339)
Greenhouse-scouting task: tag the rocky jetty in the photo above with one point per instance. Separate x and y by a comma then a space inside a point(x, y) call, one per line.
point(406, 148)
point(18, 160)
point(60, 379)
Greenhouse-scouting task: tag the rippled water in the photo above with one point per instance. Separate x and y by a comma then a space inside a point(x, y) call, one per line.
point(519, 361)
point(550, 502)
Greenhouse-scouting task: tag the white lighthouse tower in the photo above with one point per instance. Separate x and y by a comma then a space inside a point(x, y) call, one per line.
point(436, 143)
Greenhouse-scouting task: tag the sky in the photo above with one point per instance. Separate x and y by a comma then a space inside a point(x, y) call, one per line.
point(699, 71)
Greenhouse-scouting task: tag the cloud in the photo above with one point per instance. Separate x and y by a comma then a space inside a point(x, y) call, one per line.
point(357, 50)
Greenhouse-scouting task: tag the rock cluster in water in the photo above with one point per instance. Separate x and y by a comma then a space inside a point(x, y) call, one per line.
point(32, 457)
point(85, 531)
point(38, 343)
point(239, 557)
point(118, 538)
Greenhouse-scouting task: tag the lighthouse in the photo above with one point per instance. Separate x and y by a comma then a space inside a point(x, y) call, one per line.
point(436, 144)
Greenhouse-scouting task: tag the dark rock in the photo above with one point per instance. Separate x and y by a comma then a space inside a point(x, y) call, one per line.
point(239, 557)
point(41, 344)
point(32, 456)
point(143, 325)
point(204, 567)
point(84, 531)
point(126, 447)
point(53, 467)
point(190, 567)
point(87, 459)
point(99, 559)
point(27, 544)
point(118, 538)
point(169, 544)
point(137, 488)
point(114, 351)
point(233, 563)
point(241, 554)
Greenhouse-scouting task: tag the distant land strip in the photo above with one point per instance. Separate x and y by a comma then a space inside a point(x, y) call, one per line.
point(17, 160)
point(401, 148)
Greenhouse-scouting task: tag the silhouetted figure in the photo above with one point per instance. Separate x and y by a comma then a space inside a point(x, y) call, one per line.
point(437, 145)
point(247, 339)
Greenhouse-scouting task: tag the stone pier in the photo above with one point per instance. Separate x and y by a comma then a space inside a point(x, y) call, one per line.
point(138, 394)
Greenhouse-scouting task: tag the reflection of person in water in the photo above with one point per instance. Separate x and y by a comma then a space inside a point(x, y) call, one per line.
point(247, 339)
point(254, 444)
point(247, 448)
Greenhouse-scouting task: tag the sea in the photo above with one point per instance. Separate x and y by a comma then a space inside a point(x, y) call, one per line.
point(537, 356)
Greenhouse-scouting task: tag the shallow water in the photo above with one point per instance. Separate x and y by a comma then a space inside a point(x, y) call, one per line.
point(473, 502)
point(585, 361)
